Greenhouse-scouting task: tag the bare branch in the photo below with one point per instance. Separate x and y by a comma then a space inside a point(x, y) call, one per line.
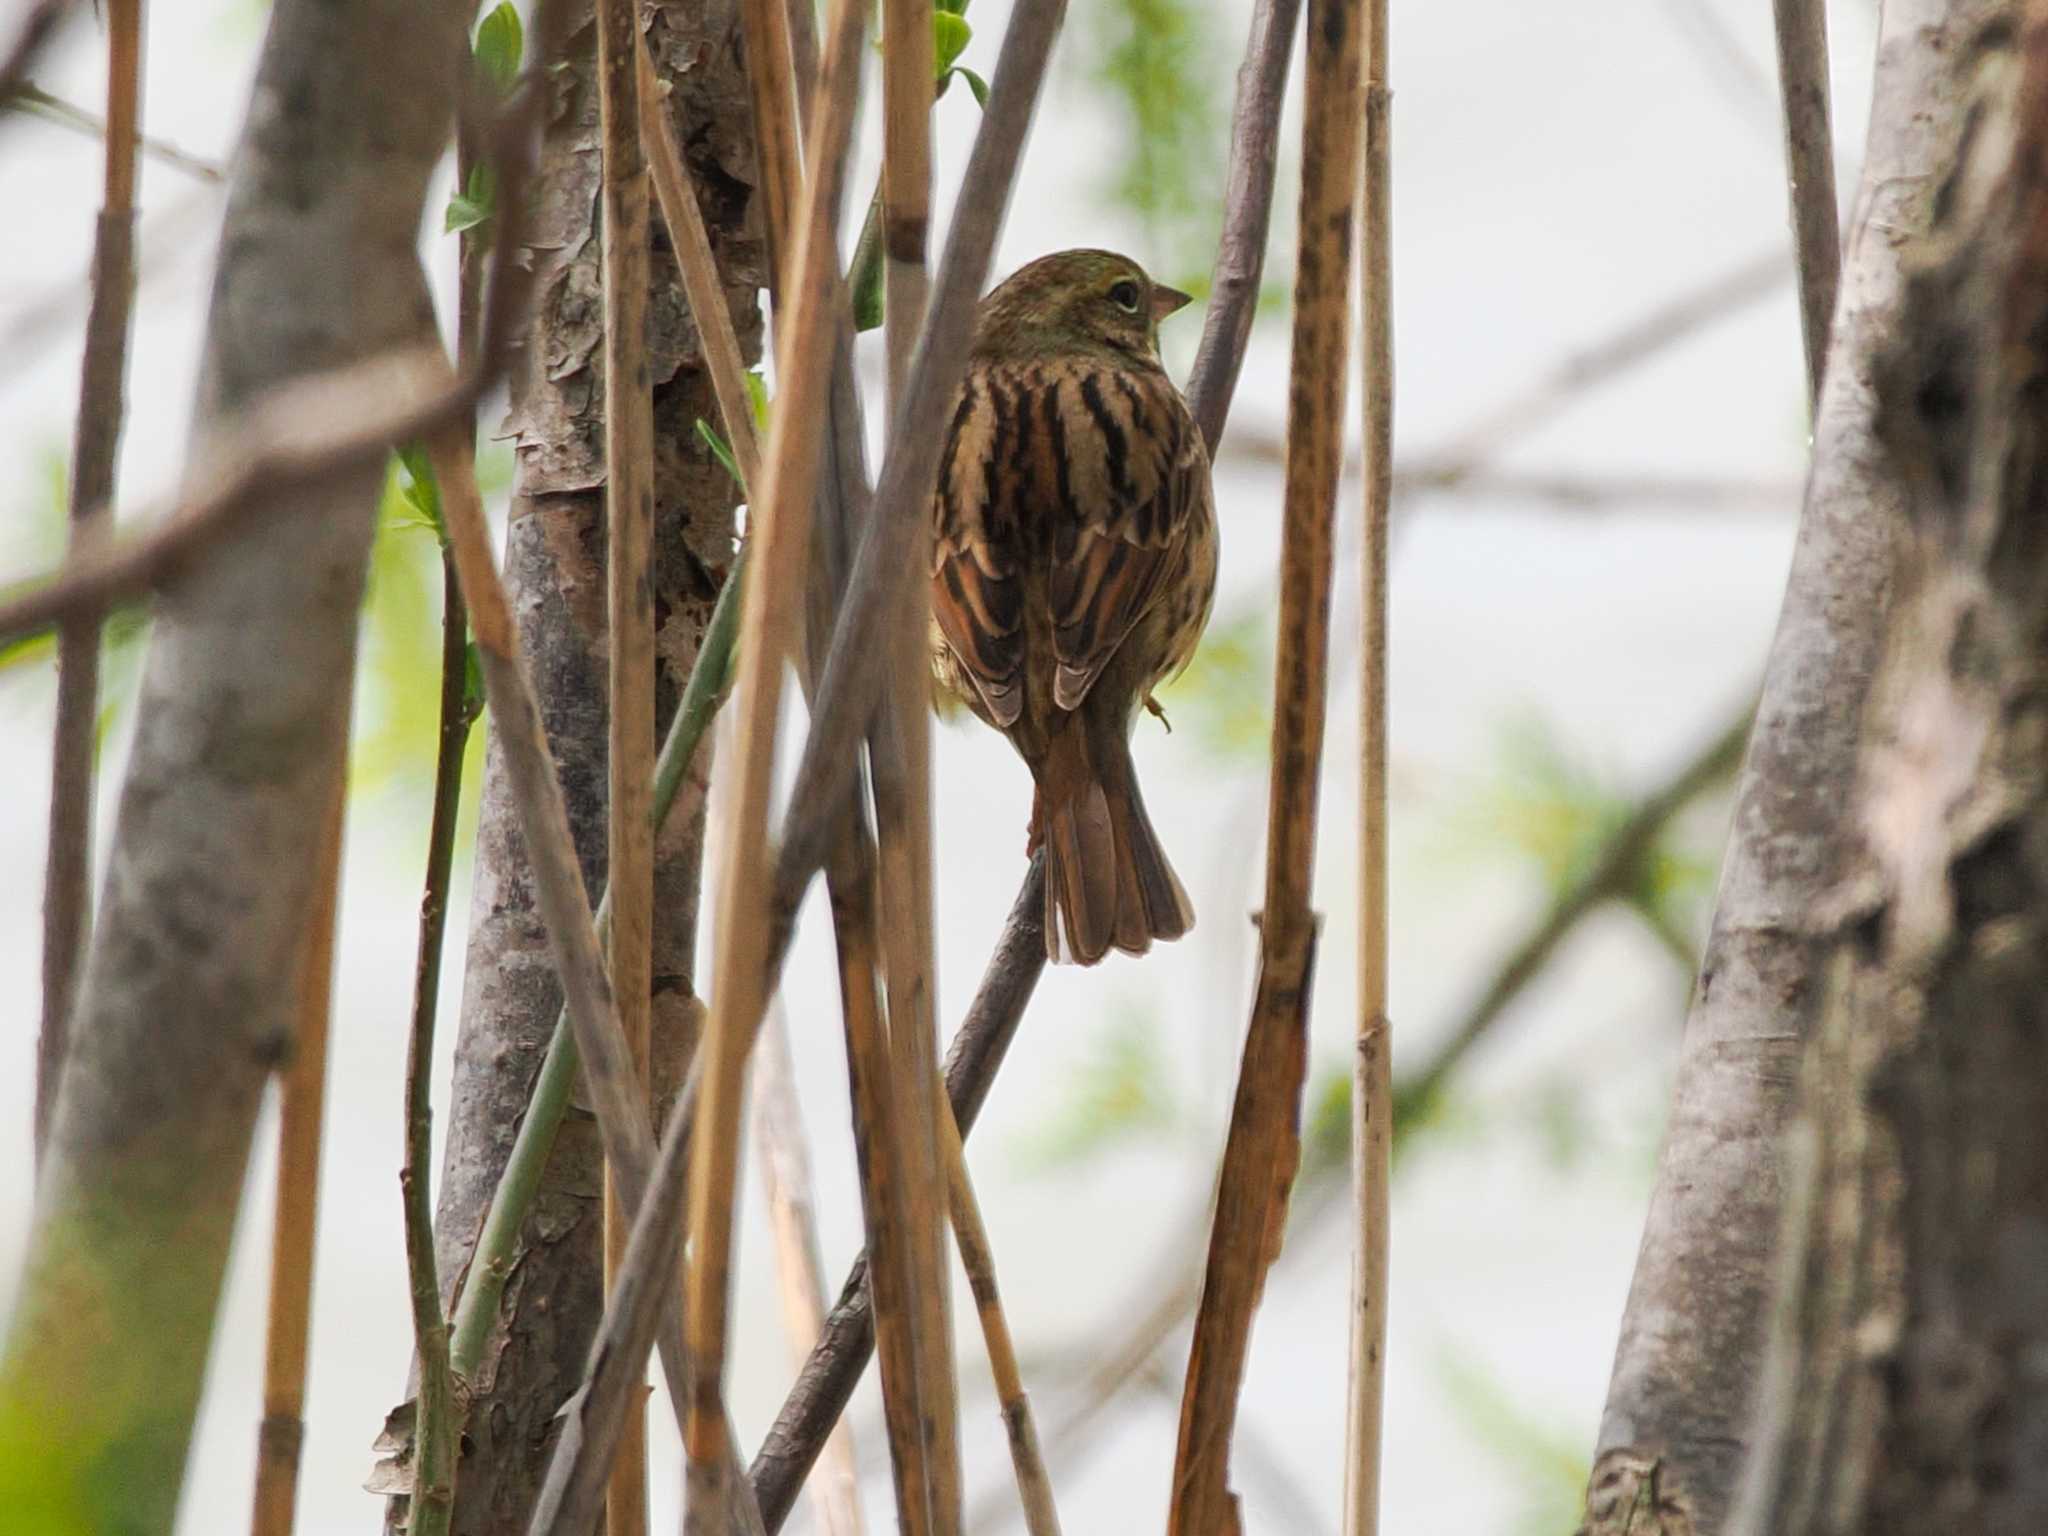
point(33, 101)
point(1810, 173)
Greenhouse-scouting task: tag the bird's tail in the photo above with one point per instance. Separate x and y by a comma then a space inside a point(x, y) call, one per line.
point(1108, 881)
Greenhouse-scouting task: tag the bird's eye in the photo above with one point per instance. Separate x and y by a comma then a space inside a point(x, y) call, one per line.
point(1125, 296)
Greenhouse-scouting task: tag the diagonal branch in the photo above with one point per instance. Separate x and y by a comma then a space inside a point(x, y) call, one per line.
point(1810, 173)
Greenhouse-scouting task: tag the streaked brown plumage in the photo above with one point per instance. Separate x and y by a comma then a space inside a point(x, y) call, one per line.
point(1073, 564)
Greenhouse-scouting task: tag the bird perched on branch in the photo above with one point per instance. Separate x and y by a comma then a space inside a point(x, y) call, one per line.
point(1073, 564)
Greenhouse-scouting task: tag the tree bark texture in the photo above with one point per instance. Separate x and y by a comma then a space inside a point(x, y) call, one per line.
point(554, 568)
point(185, 1005)
point(1908, 1382)
point(1677, 1419)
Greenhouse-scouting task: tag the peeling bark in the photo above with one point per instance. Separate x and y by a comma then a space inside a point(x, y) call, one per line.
point(554, 569)
point(1908, 1380)
point(185, 1006)
point(1677, 1420)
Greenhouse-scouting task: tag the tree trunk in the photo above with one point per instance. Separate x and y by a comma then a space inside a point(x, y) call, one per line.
point(1678, 1409)
point(555, 569)
point(185, 1005)
point(1908, 1379)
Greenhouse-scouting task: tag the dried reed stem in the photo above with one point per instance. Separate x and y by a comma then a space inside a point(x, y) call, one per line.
point(629, 616)
point(785, 1159)
point(1802, 27)
point(1263, 1149)
point(302, 1112)
point(978, 1258)
point(769, 631)
point(1372, 1088)
point(95, 446)
point(776, 132)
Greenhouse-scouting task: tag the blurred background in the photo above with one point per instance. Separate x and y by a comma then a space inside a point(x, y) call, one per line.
point(1601, 432)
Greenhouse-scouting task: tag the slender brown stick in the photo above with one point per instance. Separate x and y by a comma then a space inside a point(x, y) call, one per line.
point(769, 632)
point(902, 782)
point(629, 614)
point(1372, 1089)
point(95, 445)
point(1264, 1143)
point(776, 132)
point(37, 28)
point(1802, 27)
point(977, 1257)
point(37, 102)
point(702, 287)
point(780, 1146)
point(301, 1115)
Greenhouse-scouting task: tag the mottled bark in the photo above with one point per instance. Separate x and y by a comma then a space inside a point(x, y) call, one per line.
point(1908, 1380)
point(185, 1005)
point(555, 570)
point(1678, 1409)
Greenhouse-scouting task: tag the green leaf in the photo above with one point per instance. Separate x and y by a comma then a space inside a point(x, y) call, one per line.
point(950, 35)
point(474, 204)
point(499, 43)
point(419, 496)
point(757, 397)
point(721, 452)
point(950, 7)
point(866, 279)
point(974, 83)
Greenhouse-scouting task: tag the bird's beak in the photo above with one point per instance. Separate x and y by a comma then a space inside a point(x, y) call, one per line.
point(1166, 301)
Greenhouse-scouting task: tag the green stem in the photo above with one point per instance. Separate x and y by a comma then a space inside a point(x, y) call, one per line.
point(511, 1202)
point(433, 1496)
point(864, 281)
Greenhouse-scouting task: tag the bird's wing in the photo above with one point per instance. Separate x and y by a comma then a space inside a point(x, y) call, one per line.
point(1135, 473)
point(978, 547)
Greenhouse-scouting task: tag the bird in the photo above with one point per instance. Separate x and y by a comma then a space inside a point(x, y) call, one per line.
point(1073, 567)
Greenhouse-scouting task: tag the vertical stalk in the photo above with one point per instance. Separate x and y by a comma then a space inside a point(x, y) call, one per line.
point(95, 445)
point(1372, 1090)
point(769, 628)
point(902, 771)
point(302, 1113)
point(436, 1427)
point(629, 612)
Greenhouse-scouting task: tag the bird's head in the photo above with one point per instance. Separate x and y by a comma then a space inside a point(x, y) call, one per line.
point(1076, 301)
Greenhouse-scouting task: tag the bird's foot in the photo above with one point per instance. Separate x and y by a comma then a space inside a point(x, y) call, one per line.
point(1152, 707)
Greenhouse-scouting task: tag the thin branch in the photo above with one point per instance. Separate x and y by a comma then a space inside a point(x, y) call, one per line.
point(776, 133)
point(37, 28)
point(301, 1115)
point(95, 449)
point(1247, 214)
point(629, 625)
point(1372, 1093)
point(33, 101)
point(977, 1257)
point(769, 631)
point(1802, 27)
point(827, 1380)
point(1263, 1150)
point(779, 1146)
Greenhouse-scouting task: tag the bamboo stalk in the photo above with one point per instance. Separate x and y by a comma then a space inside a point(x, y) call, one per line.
point(1372, 1090)
point(977, 1257)
point(768, 633)
point(776, 134)
point(1263, 1148)
point(302, 1112)
point(785, 1160)
point(629, 616)
point(95, 448)
point(1802, 29)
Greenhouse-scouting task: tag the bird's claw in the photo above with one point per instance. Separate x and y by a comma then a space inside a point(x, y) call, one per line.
point(1152, 707)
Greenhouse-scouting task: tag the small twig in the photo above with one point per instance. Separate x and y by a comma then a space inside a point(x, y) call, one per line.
point(977, 1257)
point(1802, 27)
point(629, 623)
point(33, 101)
point(301, 1114)
point(38, 27)
point(1247, 214)
point(1372, 1084)
point(95, 446)
point(785, 1160)
point(1263, 1149)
